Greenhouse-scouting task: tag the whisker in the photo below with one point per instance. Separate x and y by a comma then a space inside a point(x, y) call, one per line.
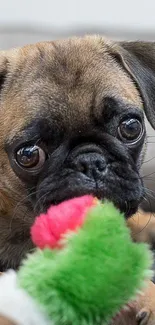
point(147, 199)
point(150, 179)
point(151, 215)
point(38, 201)
point(19, 204)
point(146, 161)
point(150, 192)
point(148, 175)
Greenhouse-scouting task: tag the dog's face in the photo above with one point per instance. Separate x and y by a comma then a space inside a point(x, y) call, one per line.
point(71, 123)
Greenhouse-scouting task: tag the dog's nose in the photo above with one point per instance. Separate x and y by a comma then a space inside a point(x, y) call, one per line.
point(90, 164)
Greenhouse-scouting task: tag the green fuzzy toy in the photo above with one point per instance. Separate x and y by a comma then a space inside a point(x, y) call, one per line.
point(87, 267)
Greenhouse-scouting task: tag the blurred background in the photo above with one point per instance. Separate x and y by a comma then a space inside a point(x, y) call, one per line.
point(29, 21)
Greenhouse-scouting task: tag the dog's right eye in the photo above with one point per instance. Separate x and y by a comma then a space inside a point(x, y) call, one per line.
point(130, 130)
point(31, 157)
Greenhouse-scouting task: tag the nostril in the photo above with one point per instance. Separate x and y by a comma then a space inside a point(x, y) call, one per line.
point(100, 165)
point(82, 167)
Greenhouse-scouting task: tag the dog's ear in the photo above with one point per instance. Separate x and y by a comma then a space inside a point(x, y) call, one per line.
point(138, 59)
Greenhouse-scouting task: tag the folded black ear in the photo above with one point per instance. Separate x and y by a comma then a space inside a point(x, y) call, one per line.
point(138, 59)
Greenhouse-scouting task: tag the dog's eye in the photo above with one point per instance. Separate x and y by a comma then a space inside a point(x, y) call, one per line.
point(130, 130)
point(31, 157)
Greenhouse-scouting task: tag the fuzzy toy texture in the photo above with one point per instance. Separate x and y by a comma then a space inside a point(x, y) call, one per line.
point(96, 273)
point(17, 305)
point(49, 228)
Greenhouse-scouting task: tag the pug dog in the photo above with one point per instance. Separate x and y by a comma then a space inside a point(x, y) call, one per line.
point(71, 123)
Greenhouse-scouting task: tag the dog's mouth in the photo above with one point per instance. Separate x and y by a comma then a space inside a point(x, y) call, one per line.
point(128, 208)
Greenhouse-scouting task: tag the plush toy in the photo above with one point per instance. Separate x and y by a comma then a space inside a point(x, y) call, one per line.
point(85, 270)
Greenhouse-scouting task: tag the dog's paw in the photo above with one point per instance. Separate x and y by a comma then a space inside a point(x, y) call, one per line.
point(145, 306)
point(143, 316)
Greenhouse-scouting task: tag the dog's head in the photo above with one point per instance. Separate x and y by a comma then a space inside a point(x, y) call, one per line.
point(71, 123)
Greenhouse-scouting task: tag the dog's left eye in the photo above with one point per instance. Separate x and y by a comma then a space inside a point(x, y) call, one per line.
point(130, 130)
point(31, 157)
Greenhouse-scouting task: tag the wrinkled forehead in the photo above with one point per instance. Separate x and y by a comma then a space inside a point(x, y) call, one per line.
point(63, 80)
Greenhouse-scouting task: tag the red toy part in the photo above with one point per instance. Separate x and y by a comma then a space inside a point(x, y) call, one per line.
point(49, 228)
